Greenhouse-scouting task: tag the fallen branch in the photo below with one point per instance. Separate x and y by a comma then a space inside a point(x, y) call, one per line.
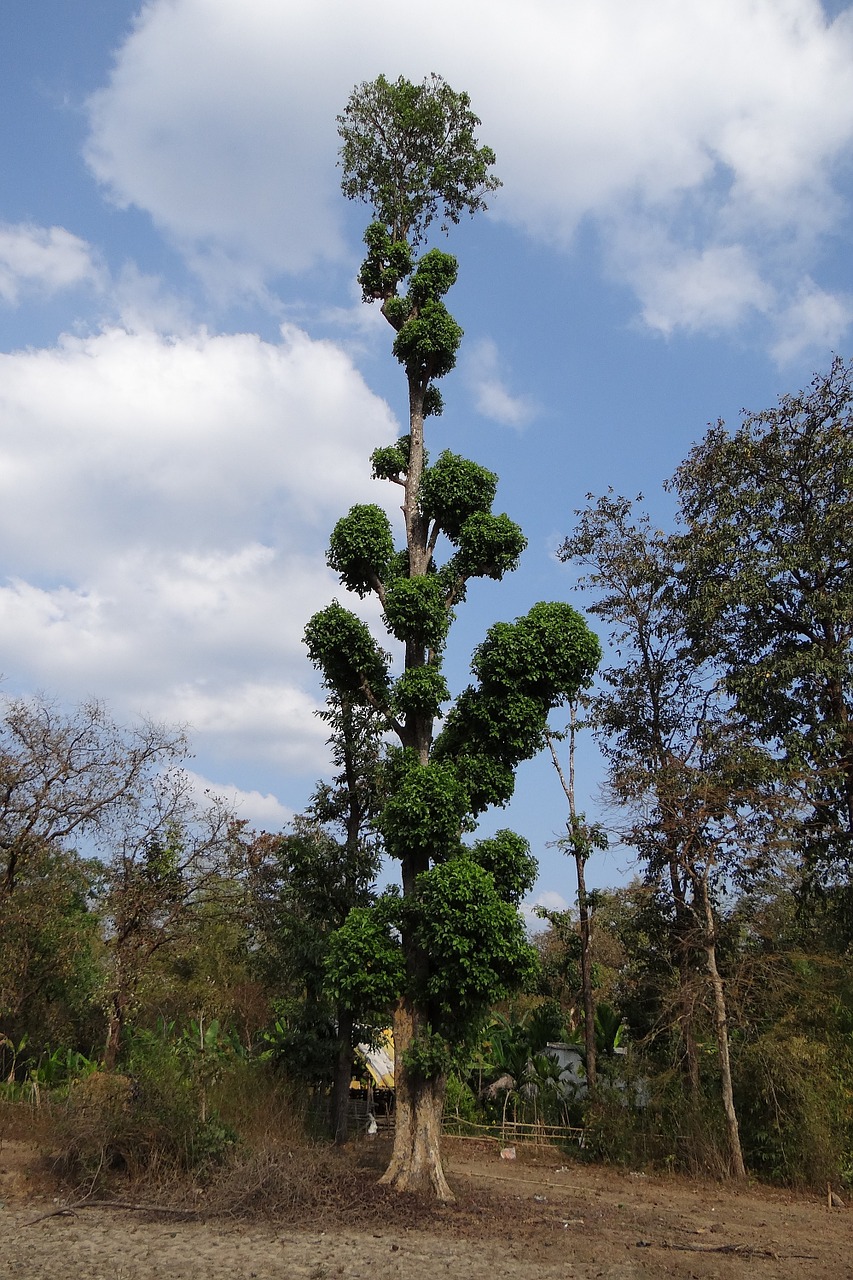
point(86, 1203)
point(739, 1250)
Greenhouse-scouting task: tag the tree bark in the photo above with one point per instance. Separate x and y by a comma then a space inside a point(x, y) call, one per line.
point(416, 1159)
point(721, 1024)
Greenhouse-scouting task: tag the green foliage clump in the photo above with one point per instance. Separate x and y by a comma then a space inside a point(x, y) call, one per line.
point(489, 546)
point(392, 461)
point(361, 547)
point(415, 611)
point(425, 811)
point(489, 780)
point(433, 403)
point(420, 691)
point(525, 669)
point(549, 654)
point(387, 263)
point(426, 344)
point(434, 276)
point(475, 939)
point(454, 489)
point(342, 645)
point(507, 858)
point(365, 968)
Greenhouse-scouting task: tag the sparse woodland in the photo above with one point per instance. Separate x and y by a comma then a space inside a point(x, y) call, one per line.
point(173, 985)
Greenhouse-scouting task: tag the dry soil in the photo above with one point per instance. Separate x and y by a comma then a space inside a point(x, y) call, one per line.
point(535, 1217)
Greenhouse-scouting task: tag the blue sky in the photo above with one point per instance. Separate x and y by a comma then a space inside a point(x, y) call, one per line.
point(190, 387)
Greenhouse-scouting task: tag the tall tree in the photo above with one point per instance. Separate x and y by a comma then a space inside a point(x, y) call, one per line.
point(580, 841)
point(768, 512)
point(699, 793)
point(454, 941)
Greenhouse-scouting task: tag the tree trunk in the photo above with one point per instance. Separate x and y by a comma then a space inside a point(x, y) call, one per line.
point(683, 930)
point(343, 1078)
point(586, 976)
point(721, 1022)
point(416, 1159)
point(115, 1029)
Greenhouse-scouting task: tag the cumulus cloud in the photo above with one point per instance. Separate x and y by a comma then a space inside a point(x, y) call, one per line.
point(815, 320)
point(717, 288)
point(547, 898)
point(44, 259)
point(262, 811)
point(164, 504)
point(483, 373)
point(210, 434)
point(721, 124)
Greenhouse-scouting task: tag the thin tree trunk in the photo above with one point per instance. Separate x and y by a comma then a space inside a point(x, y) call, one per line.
point(586, 976)
point(688, 1038)
point(416, 1159)
point(721, 1022)
point(580, 851)
point(343, 1077)
point(683, 930)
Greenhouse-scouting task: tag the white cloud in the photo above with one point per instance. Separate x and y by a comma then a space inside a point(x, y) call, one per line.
point(814, 320)
point(483, 374)
point(252, 720)
point(716, 289)
point(214, 124)
point(164, 505)
point(47, 259)
point(210, 435)
point(547, 898)
point(721, 124)
point(262, 811)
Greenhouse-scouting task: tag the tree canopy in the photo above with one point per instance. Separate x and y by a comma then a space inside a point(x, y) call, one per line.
point(409, 151)
point(767, 513)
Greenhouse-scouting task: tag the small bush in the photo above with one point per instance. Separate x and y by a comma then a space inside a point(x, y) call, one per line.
point(668, 1131)
point(460, 1103)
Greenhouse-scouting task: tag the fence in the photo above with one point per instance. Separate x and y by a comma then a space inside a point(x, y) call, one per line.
point(510, 1132)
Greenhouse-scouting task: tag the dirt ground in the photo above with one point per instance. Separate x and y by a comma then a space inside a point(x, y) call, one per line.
point(535, 1217)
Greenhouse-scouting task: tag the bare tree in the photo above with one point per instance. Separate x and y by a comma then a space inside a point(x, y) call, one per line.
point(169, 856)
point(70, 773)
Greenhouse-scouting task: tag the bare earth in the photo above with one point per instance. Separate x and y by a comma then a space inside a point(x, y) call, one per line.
point(534, 1217)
